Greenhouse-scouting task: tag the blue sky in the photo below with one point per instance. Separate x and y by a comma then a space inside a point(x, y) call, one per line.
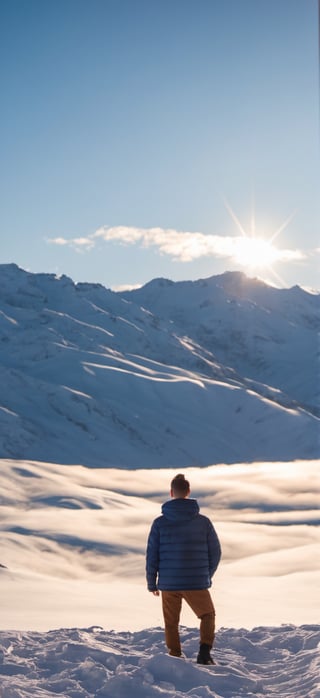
point(146, 138)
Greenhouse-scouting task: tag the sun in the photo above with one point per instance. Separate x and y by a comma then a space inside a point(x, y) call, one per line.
point(257, 253)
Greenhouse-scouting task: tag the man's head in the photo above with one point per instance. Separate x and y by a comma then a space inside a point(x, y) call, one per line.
point(180, 487)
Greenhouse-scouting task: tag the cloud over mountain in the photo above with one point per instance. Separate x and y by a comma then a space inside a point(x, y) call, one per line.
point(180, 245)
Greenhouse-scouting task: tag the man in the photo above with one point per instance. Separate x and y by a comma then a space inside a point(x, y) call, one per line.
point(183, 552)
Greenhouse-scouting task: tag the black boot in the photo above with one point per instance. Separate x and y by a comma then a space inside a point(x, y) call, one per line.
point(204, 656)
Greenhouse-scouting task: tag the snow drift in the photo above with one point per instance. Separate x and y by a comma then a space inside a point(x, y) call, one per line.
point(265, 662)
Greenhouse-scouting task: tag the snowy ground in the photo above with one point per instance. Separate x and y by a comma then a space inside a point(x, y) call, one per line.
point(270, 662)
point(72, 556)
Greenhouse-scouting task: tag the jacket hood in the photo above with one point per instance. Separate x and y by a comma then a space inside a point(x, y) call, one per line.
point(180, 509)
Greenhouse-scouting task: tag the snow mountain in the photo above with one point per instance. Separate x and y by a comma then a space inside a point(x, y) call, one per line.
point(173, 374)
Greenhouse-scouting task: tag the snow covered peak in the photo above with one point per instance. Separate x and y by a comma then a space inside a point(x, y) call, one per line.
point(174, 373)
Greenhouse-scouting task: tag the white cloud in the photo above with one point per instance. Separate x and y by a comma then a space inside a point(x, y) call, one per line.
point(78, 243)
point(58, 241)
point(182, 246)
point(186, 246)
point(83, 242)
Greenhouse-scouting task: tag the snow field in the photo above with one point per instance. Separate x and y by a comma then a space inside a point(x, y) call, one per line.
point(85, 663)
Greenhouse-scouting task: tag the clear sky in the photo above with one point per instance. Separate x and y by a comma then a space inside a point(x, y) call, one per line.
point(147, 138)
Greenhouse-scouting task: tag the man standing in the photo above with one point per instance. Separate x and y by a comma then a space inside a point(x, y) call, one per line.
point(183, 552)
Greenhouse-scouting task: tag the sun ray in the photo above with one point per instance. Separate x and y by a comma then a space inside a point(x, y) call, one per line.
point(253, 217)
point(277, 276)
point(253, 223)
point(283, 226)
point(234, 218)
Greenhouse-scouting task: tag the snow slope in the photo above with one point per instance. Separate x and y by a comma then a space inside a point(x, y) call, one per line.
point(220, 370)
point(264, 333)
point(265, 662)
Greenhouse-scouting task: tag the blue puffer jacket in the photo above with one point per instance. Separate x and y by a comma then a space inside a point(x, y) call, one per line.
point(183, 548)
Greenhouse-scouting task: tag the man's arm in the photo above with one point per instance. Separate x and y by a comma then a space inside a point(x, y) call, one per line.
point(214, 549)
point(152, 558)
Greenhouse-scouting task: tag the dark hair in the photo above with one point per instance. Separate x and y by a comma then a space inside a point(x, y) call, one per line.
point(180, 485)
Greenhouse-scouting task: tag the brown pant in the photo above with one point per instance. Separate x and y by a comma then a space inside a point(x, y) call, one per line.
point(201, 603)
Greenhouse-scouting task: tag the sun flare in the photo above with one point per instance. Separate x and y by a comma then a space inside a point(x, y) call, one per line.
point(255, 253)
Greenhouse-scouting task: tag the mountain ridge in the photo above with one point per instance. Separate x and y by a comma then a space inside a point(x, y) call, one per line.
point(215, 370)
